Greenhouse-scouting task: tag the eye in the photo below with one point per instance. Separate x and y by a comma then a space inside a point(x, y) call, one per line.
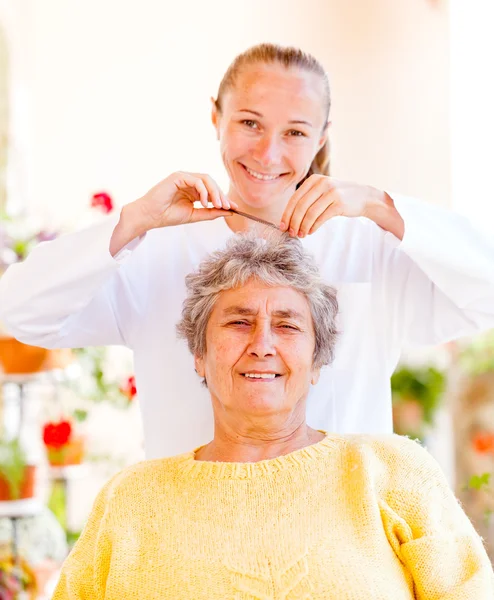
point(296, 133)
point(238, 323)
point(250, 123)
point(286, 326)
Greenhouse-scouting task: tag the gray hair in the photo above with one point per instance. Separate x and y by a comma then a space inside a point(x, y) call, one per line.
point(275, 260)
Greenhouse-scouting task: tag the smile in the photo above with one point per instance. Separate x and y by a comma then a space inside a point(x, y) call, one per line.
point(264, 376)
point(262, 176)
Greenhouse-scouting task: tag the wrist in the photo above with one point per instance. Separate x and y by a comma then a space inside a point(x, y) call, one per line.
point(129, 227)
point(133, 221)
point(381, 209)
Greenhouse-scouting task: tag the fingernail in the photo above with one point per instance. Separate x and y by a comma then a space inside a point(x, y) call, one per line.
point(282, 226)
point(301, 234)
point(292, 232)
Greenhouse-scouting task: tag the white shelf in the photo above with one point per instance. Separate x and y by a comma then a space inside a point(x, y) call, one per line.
point(70, 372)
point(20, 508)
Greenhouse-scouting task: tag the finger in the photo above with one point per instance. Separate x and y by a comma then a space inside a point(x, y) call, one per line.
point(304, 204)
point(193, 181)
point(317, 209)
point(225, 201)
point(330, 212)
point(292, 203)
point(208, 214)
point(213, 190)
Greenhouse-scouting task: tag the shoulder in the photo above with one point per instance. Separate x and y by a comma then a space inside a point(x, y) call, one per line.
point(144, 477)
point(395, 459)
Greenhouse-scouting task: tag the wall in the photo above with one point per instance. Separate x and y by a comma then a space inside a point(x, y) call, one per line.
point(472, 109)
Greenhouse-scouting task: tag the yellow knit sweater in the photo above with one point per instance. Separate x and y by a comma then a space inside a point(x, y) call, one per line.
point(350, 517)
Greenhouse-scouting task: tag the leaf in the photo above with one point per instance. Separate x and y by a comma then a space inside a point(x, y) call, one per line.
point(80, 415)
point(479, 482)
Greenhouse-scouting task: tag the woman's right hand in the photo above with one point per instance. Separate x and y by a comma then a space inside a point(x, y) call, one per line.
point(169, 203)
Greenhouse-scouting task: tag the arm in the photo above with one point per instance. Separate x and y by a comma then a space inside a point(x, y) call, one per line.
point(438, 282)
point(70, 292)
point(85, 571)
point(428, 530)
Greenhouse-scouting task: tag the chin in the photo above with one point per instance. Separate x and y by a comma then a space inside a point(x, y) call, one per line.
point(263, 406)
point(261, 199)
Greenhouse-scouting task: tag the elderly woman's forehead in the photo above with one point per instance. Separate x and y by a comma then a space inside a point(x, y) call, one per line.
point(255, 298)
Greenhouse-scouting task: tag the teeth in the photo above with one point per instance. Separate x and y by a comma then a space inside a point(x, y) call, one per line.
point(261, 176)
point(260, 375)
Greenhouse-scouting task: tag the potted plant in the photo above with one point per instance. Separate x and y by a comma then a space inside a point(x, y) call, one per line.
point(417, 394)
point(473, 419)
point(17, 477)
point(63, 445)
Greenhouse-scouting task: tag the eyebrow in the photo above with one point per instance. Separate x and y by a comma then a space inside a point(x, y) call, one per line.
point(246, 311)
point(292, 122)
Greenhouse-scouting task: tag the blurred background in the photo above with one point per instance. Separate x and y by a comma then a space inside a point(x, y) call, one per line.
point(101, 99)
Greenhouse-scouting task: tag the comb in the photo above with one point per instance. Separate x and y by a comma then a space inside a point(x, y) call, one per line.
point(253, 218)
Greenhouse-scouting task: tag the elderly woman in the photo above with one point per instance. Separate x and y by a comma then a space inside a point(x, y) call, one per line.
point(272, 508)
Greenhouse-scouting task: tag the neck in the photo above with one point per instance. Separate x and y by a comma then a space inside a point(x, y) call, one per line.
point(271, 213)
point(251, 444)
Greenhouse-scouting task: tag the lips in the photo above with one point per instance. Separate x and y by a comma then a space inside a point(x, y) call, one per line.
point(258, 376)
point(264, 177)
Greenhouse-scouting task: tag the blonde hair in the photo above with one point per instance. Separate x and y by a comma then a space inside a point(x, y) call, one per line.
point(288, 57)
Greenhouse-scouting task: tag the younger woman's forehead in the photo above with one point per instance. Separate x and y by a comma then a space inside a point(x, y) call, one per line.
point(263, 85)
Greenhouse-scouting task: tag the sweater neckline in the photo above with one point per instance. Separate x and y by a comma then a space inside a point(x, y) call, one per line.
point(248, 470)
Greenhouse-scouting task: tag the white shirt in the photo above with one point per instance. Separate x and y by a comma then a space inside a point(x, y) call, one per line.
point(435, 285)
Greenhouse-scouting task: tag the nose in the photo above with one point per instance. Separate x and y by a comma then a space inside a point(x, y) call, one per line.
point(267, 150)
point(261, 344)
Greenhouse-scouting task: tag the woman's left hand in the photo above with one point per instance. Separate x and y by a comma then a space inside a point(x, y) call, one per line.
point(320, 198)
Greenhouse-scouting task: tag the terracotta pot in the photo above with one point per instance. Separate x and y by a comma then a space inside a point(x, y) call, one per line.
point(18, 358)
point(27, 485)
point(71, 453)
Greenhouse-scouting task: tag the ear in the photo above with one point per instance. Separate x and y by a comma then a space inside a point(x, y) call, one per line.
point(199, 365)
point(324, 136)
point(316, 373)
point(215, 118)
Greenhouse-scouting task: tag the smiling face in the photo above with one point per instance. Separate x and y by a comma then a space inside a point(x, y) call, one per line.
point(271, 126)
point(259, 350)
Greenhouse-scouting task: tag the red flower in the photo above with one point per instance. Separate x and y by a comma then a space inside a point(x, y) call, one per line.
point(58, 434)
point(102, 201)
point(129, 388)
point(484, 443)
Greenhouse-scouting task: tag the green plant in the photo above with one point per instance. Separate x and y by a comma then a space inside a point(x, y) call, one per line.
point(12, 465)
point(417, 394)
point(423, 385)
point(95, 385)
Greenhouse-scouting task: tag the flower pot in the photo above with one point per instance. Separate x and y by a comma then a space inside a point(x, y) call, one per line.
point(71, 453)
point(18, 358)
point(27, 485)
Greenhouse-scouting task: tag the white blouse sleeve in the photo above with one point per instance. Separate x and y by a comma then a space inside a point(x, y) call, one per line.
point(71, 292)
point(438, 282)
